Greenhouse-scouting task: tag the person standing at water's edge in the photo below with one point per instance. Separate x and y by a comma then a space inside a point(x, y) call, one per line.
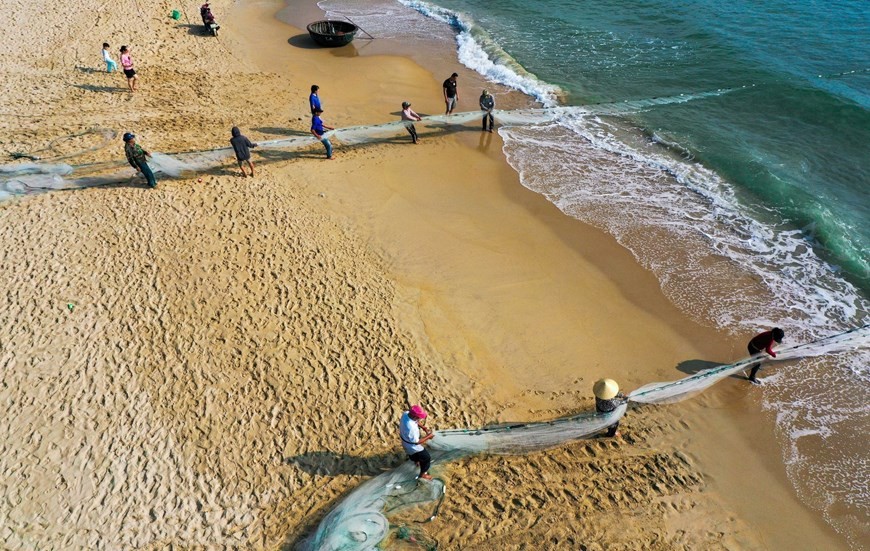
point(317, 128)
point(129, 71)
point(608, 398)
point(138, 158)
point(487, 104)
point(409, 432)
point(408, 114)
point(242, 147)
point(314, 99)
point(763, 342)
point(451, 96)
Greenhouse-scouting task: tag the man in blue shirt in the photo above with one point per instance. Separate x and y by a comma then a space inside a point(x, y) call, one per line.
point(314, 99)
point(317, 128)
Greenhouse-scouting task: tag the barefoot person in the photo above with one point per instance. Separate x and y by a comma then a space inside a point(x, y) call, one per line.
point(487, 104)
point(409, 431)
point(408, 114)
point(242, 147)
point(763, 342)
point(138, 158)
point(129, 71)
point(107, 57)
point(317, 128)
point(314, 99)
point(451, 96)
point(607, 399)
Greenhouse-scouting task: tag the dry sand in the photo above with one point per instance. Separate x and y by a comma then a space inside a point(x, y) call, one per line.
point(237, 351)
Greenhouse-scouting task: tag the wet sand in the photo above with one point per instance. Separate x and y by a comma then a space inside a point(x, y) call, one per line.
point(238, 350)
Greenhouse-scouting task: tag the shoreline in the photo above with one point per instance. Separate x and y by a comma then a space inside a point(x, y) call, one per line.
point(310, 293)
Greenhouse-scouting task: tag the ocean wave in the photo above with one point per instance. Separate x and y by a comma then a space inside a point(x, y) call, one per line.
point(478, 50)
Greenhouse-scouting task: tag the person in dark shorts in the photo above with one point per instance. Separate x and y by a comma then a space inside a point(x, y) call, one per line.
point(138, 158)
point(410, 116)
point(129, 71)
point(451, 96)
point(242, 147)
point(608, 398)
point(409, 431)
point(487, 104)
point(763, 342)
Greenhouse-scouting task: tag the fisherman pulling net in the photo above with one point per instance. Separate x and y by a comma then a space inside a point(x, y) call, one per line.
point(362, 520)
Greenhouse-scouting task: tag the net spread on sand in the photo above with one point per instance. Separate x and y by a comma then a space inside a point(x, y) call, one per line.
point(362, 520)
point(37, 177)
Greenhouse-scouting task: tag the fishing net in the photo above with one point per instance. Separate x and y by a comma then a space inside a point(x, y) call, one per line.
point(682, 389)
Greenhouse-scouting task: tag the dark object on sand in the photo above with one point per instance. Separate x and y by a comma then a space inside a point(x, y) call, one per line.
point(332, 33)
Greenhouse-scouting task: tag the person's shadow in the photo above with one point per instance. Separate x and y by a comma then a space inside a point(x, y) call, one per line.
point(325, 463)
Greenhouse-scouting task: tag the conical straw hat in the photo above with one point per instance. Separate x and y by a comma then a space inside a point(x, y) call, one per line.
point(605, 389)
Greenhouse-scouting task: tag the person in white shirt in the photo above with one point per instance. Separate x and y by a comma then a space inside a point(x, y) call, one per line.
point(408, 114)
point(110, 63)
point(409, 432)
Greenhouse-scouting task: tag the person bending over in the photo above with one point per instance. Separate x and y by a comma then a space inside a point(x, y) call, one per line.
point(763, 342)
point(608, 398)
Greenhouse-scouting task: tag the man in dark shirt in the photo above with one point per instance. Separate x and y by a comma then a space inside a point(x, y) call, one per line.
point(451, 96)
point(242, 146)
point(487, 104)
point(314, 99)
point(763, 342)
point(138, 158)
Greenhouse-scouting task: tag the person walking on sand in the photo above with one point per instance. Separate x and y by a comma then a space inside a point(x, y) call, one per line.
point(129, 71)
point(408, 114)
point(314, 99)
point(451, 96)
point(242, 147)
point(409, 431)
point(107, 57)
point(487, 104)
point(608, 398)
point(138, 158)
point(763, 342)
point(317, 127)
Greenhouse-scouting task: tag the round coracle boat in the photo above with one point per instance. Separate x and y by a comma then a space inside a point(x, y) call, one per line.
point(332, 33)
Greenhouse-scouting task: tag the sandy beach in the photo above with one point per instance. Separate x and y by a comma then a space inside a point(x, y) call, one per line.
point(215, 364)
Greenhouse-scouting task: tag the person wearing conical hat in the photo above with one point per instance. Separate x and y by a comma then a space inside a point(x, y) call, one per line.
point(608, 398)
point(763, 342)
point(409, 431)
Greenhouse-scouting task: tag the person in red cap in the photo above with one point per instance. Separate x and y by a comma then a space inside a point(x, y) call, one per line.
point(409, 432)
point(763, 342)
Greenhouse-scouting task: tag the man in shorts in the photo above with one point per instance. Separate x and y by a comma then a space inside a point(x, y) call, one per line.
point(451, 96)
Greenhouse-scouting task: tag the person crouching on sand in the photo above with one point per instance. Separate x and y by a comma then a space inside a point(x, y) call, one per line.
point(138, 158)
point(317, 127)
point(608, 398)
point(408, 114)
point(763, 342)
point(242, 147)
point(409, 432)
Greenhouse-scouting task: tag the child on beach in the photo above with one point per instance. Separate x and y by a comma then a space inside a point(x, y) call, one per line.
point(242, 146)
point(412, 443)
point(110, 63)
point(129, 71)
point(317, 127)
point(409, 115)
point(138, 158)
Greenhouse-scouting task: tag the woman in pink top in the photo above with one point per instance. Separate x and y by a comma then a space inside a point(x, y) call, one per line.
point(127, 65)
